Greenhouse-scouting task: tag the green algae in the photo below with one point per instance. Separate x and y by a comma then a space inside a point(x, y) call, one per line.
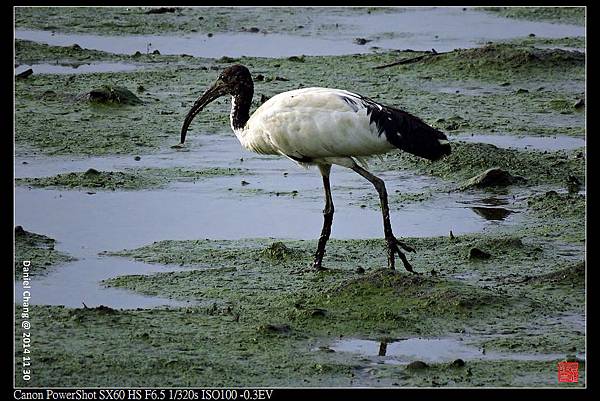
point(389, 302)
point(503, 247)
point(85, 128)
point(564, 106)
point(563, 15)
point(558, 205)
point(134, 348)
point(507, 61)
point(248, 264)
point(203, 252)
point(56, 124)
point(468, 160)
point(29, 52)
point(38, 250)
point(537, 41)
point(261, 292)
point(572, 275)
point(559, 217)
point(278, 252)
point(129, 179)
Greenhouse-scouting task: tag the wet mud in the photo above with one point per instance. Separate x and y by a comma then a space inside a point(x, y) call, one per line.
point(193, 292)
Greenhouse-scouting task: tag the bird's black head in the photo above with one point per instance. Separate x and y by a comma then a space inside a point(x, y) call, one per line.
point(234, 80)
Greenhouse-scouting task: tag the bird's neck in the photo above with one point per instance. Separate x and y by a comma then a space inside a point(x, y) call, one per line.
point(240, 109)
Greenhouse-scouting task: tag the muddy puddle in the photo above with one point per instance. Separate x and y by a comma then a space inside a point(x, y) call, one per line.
point(431, 350)
point(111, 220)
point(541, 143)
point(87, 224)
point(201, 151)
point(200, 45)
point(411, 28)
point(78, 283)
point(442, 28)
point(87, 68)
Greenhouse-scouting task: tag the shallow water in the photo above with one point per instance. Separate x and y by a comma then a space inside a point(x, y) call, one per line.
point(200, 45)
point(87, 68)
point(412, 28)
point(85, 224)
point(443, 28)
point(223, 208)
point(431, 350)
point(77, 283)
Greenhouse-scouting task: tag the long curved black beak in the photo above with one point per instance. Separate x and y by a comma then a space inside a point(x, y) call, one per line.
point(217, 90)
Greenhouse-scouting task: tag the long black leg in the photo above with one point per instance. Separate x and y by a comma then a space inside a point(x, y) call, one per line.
point(392, 242)
point(327, 217)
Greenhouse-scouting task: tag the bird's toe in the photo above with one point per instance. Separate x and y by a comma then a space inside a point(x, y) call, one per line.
point(394, 250)
point(406, 247)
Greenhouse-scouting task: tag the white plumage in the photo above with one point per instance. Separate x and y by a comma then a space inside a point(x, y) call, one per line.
point(315, 123)
point(323, 126)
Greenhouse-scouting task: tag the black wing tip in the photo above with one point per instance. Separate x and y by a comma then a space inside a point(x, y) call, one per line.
point(403, 130)
point(409, 133)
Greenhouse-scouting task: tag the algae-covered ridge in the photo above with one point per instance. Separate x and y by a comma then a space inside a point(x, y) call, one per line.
point(577, 42)
point(128, 179)
point(264, 284)
point(35, 253)
point(470, 159)
point(564, 15)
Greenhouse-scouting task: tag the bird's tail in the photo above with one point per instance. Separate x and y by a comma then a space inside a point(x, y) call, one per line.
point(411, 134)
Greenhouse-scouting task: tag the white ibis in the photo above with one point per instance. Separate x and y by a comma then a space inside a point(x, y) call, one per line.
point(323, 126)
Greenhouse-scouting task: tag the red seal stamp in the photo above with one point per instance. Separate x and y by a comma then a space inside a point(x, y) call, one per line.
point(568, 372)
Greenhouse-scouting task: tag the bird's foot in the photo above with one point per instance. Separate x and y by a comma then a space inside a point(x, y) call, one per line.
point(394, 246)
point(318, 267)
